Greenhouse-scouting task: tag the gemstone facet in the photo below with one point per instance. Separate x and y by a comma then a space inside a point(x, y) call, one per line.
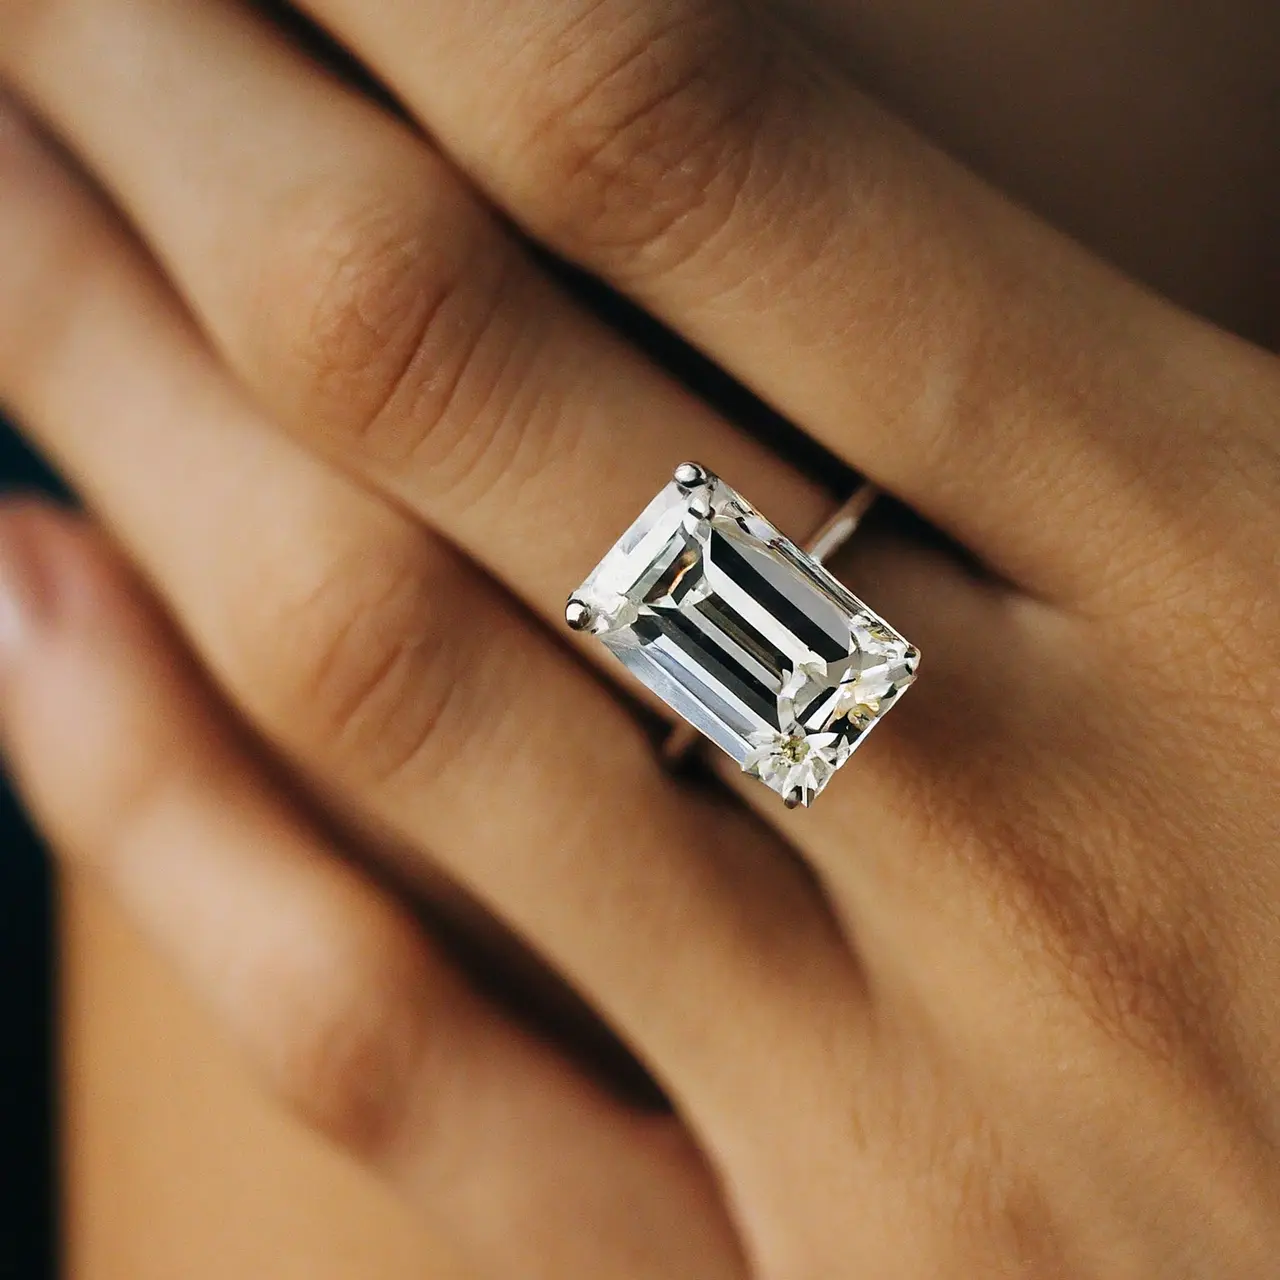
point(744, 635)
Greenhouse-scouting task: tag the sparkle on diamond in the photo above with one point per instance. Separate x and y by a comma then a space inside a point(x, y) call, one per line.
point(745, 636)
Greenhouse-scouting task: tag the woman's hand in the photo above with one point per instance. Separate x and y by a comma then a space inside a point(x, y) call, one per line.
point(1012, 1008)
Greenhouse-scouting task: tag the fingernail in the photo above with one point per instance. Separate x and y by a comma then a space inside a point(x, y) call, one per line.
point(24, 593)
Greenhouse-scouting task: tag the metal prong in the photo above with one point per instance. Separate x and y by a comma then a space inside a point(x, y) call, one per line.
point(794, 800)
point(691, 475)
point(578, 615)
point(700, 506)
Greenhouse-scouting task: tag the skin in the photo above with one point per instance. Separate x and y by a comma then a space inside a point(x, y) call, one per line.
point(1004, 1002)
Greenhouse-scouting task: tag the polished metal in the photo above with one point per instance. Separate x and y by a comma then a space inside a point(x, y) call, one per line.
point(691, 475)
point(578, 616)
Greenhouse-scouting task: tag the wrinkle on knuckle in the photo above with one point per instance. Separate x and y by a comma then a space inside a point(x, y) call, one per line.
point(1180, 557)
point(1134, 973)
point(362, 665)
point(480, 396)
point(370, 287)
point(641, 144)
point(416, 349)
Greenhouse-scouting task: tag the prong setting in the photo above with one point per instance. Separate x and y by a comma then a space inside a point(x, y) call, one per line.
point(700, 506)
point(670, 600)
point(578, 615)
point(690, 476)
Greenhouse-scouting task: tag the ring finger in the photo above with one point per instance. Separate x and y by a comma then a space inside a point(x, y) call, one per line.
point(753, 913)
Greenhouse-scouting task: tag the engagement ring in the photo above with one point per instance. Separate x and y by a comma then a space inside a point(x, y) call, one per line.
point(744, 635)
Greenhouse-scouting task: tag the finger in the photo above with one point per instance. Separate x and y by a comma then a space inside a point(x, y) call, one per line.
point(340, 1002)
point(397, 677)
point(705, 159)
point(369, 297)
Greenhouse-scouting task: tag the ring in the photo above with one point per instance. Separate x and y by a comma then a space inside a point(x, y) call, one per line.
point(746, 637)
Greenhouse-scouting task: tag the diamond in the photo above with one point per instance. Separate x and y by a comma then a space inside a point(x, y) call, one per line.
point(744, 635)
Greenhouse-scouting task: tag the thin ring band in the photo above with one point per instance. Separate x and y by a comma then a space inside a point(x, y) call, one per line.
point(830, 536)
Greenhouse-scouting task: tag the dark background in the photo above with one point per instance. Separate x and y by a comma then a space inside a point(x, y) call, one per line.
point(28, 1218)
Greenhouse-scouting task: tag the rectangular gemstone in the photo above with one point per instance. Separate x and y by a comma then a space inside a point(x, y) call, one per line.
point(749, 639)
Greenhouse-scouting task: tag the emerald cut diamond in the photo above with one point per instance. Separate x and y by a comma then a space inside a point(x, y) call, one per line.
point(744, 635)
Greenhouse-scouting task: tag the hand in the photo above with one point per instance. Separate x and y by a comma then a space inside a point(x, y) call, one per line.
point(1011, 1010)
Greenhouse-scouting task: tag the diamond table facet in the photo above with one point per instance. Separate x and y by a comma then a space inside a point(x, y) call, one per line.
point(744, 635)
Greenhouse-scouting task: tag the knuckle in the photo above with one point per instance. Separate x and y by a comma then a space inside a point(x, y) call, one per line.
point(640, 146)
point(389, 297)
point(479, 399)
point(410, 347)
point(360, 666)
point(346, 1038)
point(1127, 948)
point(342, 298)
